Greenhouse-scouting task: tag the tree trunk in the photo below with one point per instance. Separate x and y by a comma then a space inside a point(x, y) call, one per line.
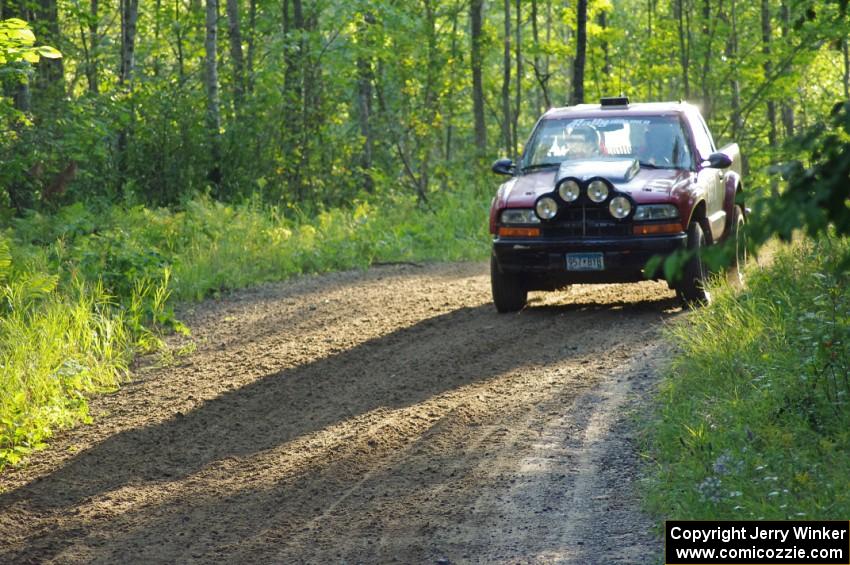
point(735, 85)
point(684, 47)
point(518, 95)
point(252, 34)
point(449, 103)
point(431, 89)
point(606, 51)
point(50, 73)
point(310, 96)
point(364, 101)
point(581, 52)
point(506, 82)
point(547, 60)
point(178, 38)
point(129, 17)
point(540, 73)
point(235, 34)
point(846, 52)
point(709, 28)
point(92, 75)
point(293, 92)
point(213, 117)
point(650, 13)
point(476, 23)
point(768, 70)
point(156, 32)
point(787, 107)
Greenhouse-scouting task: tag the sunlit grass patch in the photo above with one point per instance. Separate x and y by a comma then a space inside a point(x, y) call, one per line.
point(82, 291)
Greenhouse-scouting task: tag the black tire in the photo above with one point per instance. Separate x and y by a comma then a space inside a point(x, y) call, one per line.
point(509, 292)
point(735, 274)
point(692, 288)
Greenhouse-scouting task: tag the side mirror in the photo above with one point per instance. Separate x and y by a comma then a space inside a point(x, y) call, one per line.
point(719, 160)
point(503, 167)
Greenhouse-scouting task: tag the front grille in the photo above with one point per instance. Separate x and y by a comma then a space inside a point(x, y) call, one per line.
point(582, 220)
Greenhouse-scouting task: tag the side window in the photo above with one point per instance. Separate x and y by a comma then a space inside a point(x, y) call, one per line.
point(702, 137)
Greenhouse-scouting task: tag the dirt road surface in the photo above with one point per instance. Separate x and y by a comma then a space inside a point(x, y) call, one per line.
point(363, 417)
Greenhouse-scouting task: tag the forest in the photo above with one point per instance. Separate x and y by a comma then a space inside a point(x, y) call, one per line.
point(319, 104)
point(161, 153)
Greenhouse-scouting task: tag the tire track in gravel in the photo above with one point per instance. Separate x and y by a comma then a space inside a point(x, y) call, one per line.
point(381, 416)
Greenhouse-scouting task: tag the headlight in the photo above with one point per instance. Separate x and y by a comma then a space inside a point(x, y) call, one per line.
point(620, 207)
point(597, 191)
point(519, 216)
point(569, 191)
point(656, 212)
point(546, 208)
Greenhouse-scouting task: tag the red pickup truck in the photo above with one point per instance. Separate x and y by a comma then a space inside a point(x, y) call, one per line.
point(602, 188)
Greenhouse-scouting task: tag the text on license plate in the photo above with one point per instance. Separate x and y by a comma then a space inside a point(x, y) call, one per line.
point(585, 262)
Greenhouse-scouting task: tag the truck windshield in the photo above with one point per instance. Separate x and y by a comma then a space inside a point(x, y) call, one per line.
point(657, 142)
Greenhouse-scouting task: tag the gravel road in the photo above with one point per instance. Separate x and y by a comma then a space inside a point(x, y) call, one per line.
point(363, 417)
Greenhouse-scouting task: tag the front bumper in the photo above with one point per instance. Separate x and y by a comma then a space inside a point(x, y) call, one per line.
point(544, 260)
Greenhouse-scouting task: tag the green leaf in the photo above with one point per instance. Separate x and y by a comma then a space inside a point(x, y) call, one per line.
point(25, 36)
point(49, 52)
point(30, 56)
point(13, 23)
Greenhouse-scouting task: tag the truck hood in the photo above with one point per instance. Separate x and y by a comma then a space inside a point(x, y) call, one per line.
point(644, 184)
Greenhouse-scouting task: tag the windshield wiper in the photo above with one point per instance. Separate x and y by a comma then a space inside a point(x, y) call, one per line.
point(539, 166)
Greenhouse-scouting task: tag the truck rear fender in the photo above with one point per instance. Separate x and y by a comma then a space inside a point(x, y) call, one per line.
point(732, 182)
point(732, 188)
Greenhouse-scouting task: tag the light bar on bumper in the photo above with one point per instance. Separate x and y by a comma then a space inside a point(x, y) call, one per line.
point(546, 207)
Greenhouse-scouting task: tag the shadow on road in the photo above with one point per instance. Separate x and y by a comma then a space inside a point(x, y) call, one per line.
point(400, 369)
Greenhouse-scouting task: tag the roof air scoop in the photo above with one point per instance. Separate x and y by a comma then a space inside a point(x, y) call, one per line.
point(615, 170)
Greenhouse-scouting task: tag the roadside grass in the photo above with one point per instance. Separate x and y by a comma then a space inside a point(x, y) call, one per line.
point(753, 417)
point(81, 292)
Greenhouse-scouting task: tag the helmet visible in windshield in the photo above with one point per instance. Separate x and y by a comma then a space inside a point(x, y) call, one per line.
point(657, 141)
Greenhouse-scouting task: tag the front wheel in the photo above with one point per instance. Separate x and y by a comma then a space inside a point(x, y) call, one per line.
point(692, 288)
point(509, 292)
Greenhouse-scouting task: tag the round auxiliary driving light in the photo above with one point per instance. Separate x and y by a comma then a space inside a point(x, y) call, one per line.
point(597, 191)
point(620, 207)
point(569, 191)
point(546, 208)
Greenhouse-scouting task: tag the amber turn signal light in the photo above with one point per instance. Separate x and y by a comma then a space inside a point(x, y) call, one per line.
point(519, 232)
point(655, 229)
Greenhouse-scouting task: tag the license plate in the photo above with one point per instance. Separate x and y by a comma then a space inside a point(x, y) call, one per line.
point(585, 262)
